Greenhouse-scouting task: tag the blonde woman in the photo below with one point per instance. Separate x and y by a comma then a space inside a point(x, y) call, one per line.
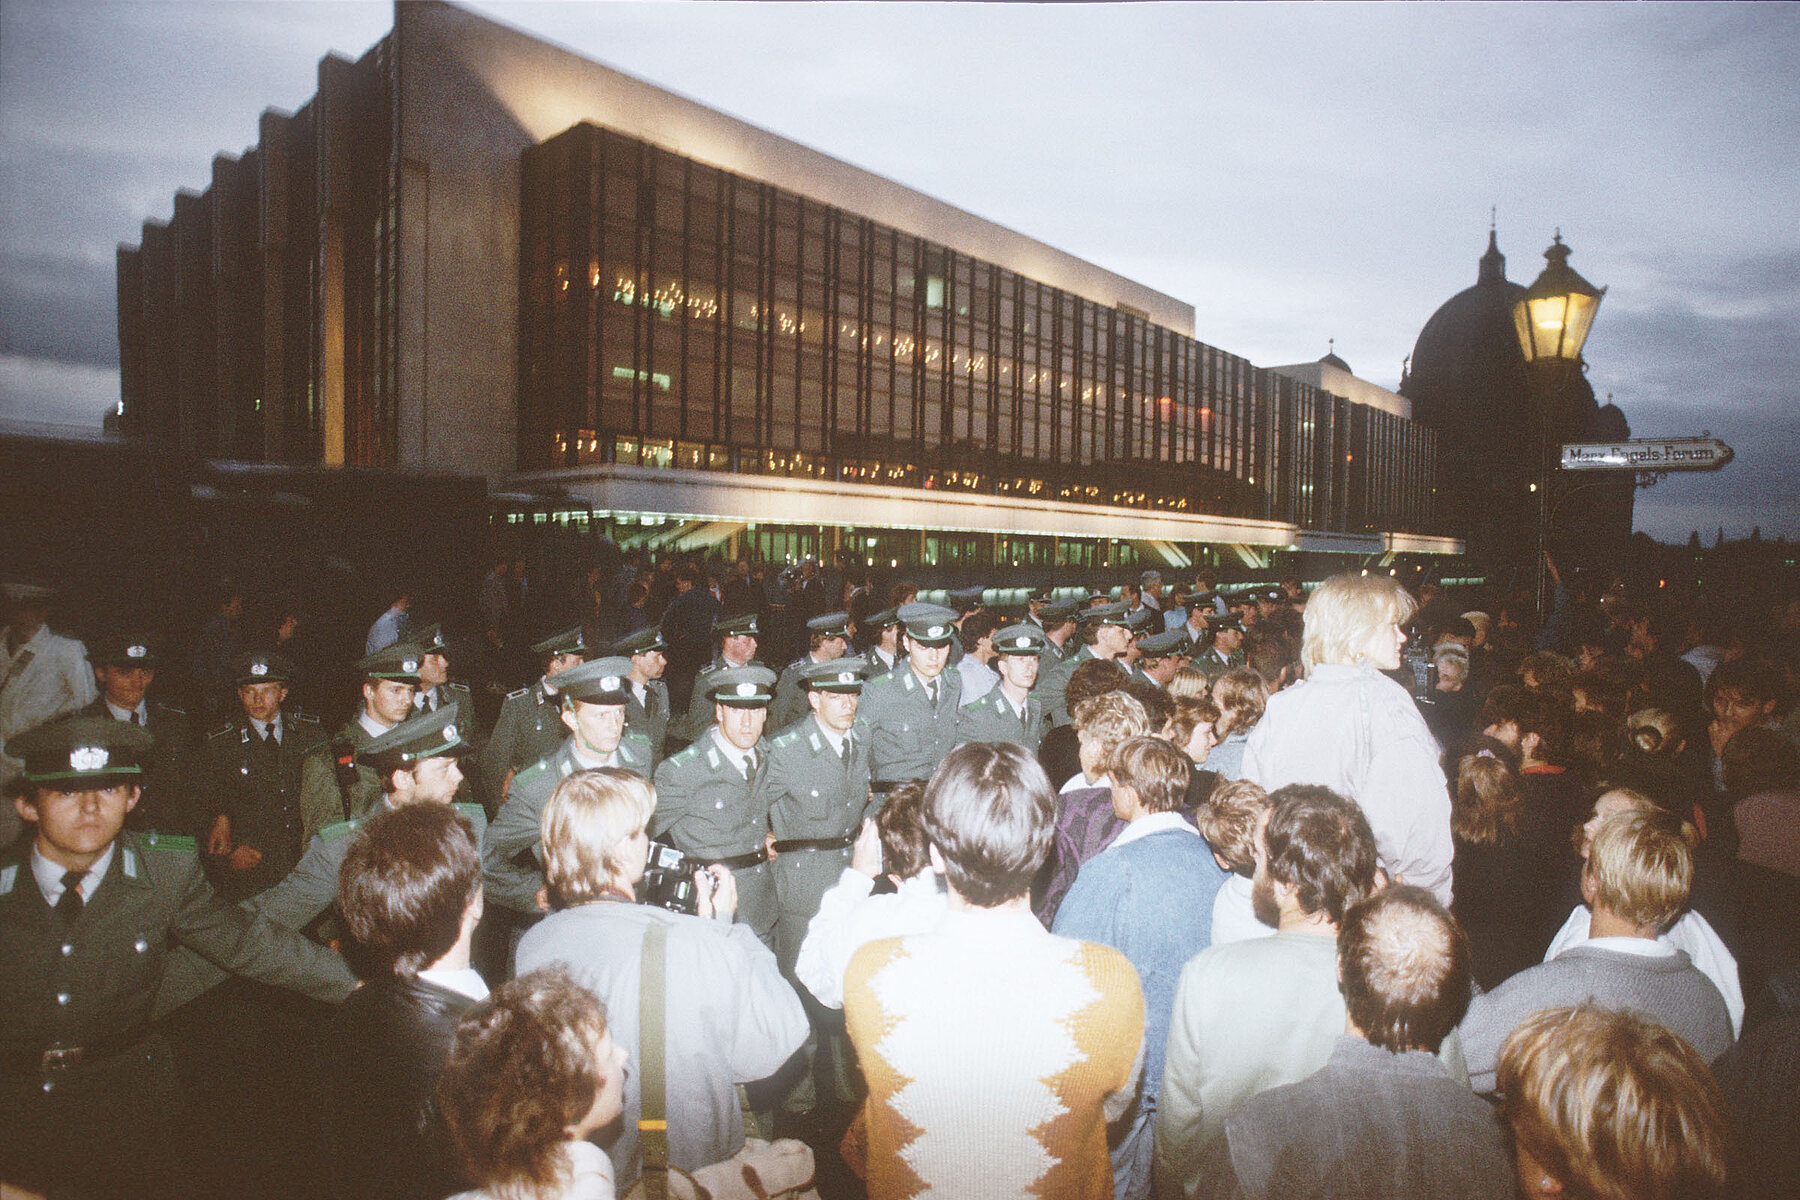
point(1352, 729)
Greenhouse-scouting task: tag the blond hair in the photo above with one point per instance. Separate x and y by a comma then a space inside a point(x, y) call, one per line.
point(1642, 866)
point(1109, 719)
point(1242, 696)
point(585, 819)
point(1344, 615)
point(1613, 1106)
point(1187, 683)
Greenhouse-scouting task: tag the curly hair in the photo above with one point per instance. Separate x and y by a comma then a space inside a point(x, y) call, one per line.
point(522, 1069)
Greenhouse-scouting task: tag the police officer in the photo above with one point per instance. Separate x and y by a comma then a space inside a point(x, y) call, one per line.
point(1059, 635)
point(709, 803)
point(593, 696)
point(1011, 711)
point(437, 689)
point(828, 638)
point(647, 699)
point(1105, 634)
point(415, 762)
point(911, 711)
point(882, 651)
point(333, 785)
point(125, 666)
point(817, 793)
point(250, 777)
point(1161, 655)
point(88, 911)
point(529, 726)
point(1225, 645)
point(734, 641)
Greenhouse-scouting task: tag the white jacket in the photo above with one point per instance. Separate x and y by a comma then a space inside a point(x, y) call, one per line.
point(1357, 732)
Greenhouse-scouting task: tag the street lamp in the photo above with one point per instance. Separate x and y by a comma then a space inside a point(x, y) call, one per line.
point(1552, 321)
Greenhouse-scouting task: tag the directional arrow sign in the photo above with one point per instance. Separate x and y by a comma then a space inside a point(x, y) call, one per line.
point(1647, 454)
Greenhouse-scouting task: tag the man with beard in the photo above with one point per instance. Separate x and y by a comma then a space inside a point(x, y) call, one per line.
point(1256, 1014)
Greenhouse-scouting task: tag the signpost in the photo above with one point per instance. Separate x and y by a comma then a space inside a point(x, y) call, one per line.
point(1647, 454)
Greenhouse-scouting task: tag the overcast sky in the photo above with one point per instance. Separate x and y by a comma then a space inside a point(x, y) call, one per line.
point(1295, 172)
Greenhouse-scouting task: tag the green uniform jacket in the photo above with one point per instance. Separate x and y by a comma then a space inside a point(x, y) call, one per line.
point(1053, 656)
point(93, 983)
point(512, 853)
point(993, 719)
point(257, 787)
point(907, 736)
point(707, 809)
point(529, 728)
point(650, 718)
point(294, 903)
point(170, 802)
point(1213, 666)
point(1054, 686)
point(810, 792)
point(790, 703)
point(322, 801)
point(700, 708)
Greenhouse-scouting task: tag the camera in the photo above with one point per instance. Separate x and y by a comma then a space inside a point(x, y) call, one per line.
point(669, 881)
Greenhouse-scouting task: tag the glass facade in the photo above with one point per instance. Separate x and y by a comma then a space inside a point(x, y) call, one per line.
point(674, 314)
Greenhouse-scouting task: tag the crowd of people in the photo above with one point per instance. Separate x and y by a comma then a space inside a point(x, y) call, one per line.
point(1165, 890)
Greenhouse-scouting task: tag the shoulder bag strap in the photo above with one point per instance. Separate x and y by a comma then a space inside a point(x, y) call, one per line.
point(653, 1124)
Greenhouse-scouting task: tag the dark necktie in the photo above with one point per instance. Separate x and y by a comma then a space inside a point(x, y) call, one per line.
point(426, 704)
point(750, 765)
point(931, 694)
point(68, 907)
point(269, 738)
point(135, 719)
point(844, 752)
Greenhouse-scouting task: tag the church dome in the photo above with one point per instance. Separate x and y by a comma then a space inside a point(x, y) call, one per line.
point(1331, 358)
point(1468, 350)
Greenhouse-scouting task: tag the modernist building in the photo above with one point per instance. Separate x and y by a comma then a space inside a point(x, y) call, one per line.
point(1467, 381)
point(476, 252)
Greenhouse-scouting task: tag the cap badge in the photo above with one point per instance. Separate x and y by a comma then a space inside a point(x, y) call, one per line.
point(935, 631)
point(846, 677)
point(449, 733)
point(259, 668)
point(610, 683)
point(87, 758)
point(746, 689)
point(409, 664)
point(136, 652)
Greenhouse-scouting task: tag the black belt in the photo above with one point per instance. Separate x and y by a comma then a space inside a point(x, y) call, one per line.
point(58, 1058)
point(783, 845)
point(737, 861)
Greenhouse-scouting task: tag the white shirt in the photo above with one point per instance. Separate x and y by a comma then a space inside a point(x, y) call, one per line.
point(1078, 782)
point(739, 758)
point(55, 679)
point(131, 716)
point(1151, 823)
point(849, 918)
point(49, 875)
point(978, 679)
point(373, 727)
point(264, 728)
point(464, 981)
point(831, 735)
point(1234, 913)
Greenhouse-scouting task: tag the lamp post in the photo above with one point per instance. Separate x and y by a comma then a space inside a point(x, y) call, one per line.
point(1552, 321)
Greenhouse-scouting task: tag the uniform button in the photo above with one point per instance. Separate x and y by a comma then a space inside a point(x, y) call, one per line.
point(67, 949)
point(62, 998)
point(718, 804)
point(141, 945)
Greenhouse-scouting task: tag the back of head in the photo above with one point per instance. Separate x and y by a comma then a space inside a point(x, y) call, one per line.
point(1612, 1106)
point(1094, 678)
point(1544, 669)
point(407, 879)
point(1642, 866)
point(1242, 697)
point(1154, 770)
point(1158, 705)
point(1653, 731)
point(1110, 718)
point(520, 1072)
point(1273, 654)
point(1228, 822)
point(1321, 845)
point(991, 813)
point(1759, 760)
point(1345, 613)
point(1188, 682)
point(585, 819)
point(1487, 802)
point(1403, 966)
point(905, 850)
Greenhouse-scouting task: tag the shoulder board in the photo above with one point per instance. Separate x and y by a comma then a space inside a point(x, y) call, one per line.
point(636, 739)
point(908, 682)
point(784, 738)
point(524, 691)
point(128, 862)
point(812, 737)
point(341, 829)
point(302, 718)
point(798, 662)
point(171, 708)
point(712, 757)
point(535, 769)
point(474, 812)
point(859, 725)
point(174, 843)
point(221, 731)
point(8, 876)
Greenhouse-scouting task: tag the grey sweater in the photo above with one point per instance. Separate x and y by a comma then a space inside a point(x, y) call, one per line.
point(1665, 988)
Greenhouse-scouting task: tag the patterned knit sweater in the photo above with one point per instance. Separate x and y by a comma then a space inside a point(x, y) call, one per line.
point(995, 1054)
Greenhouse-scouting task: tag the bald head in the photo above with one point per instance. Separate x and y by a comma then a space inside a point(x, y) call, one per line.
point(1403, 964)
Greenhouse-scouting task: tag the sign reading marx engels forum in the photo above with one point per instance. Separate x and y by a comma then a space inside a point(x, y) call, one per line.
point(1647, 454)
